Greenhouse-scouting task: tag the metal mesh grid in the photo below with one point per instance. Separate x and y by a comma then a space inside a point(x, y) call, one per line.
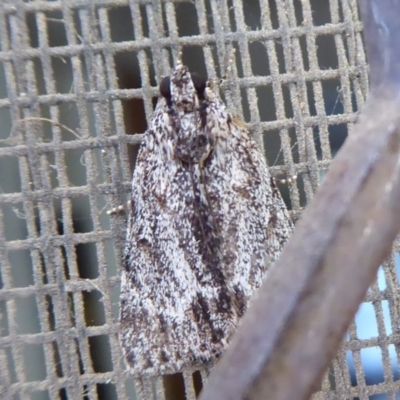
point(75, 77)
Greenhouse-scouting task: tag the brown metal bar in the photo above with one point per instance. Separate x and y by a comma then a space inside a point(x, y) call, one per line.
point(299, 317)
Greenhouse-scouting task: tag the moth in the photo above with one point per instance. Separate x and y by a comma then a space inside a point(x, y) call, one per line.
point(206, 221)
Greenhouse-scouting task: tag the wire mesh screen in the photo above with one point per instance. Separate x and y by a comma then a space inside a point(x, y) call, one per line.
point(78, 81)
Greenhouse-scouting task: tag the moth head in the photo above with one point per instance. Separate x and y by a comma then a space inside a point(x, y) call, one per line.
point(183, 89)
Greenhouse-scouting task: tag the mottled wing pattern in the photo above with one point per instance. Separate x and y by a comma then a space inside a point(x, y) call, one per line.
point(158, 284)
point(246, 203)
point(206, 222)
